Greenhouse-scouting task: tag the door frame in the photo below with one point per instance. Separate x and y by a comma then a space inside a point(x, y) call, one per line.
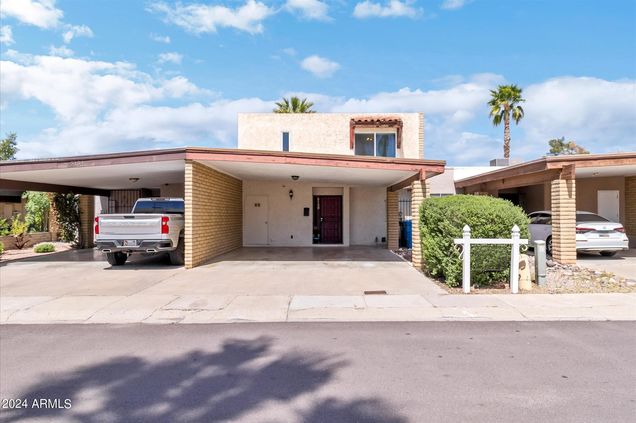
point(315, 201)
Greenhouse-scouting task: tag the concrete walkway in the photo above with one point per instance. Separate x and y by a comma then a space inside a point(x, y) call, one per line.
point(268, 285)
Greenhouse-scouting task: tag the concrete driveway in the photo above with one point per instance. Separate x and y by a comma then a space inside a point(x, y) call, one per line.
point(623, 263)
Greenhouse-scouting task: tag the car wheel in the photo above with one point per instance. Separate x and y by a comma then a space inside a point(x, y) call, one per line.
point(177, 257)
point(116, 259)
point(608, 253)
point(548, 245)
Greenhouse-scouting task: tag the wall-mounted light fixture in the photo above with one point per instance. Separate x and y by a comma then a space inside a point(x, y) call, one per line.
point(291, 194)
point(295, 177)
point(133, 180)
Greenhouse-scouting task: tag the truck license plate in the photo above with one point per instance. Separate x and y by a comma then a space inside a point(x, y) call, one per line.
point(130, 242)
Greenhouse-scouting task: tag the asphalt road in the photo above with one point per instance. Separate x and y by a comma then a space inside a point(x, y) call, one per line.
point(325, 372)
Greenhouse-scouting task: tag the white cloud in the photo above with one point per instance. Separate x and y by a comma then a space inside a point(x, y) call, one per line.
point(160, 38)
point(61, 51)
point(309, 9)
point(170, 57)
point(6, 35)
point(73, 31)
point(40, 13)
point(202, 18)
point(320, 66)
point(393, 8)
point(454, 4)
point(290, 51)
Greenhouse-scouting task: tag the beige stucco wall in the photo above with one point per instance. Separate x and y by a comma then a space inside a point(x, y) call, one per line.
point(285, 216)
point(364, 211)
point(587, 196)
point(8, 210)
point(326, 133)
point(368, 215)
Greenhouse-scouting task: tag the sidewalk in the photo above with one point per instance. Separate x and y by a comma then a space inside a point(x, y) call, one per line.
point(162, 309)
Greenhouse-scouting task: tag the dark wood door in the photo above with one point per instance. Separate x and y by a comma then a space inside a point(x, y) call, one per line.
point(330, 219)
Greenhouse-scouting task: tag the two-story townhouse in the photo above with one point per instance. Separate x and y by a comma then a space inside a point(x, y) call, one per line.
point(295, 180)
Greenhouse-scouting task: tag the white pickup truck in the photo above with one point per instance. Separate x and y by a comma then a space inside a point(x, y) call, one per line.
point(154, 225)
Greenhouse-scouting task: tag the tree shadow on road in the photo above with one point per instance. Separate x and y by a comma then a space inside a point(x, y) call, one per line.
point(199, 386)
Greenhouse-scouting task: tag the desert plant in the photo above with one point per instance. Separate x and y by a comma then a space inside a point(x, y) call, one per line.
point(45, 247)
point(67, 215)
point(443, 219)
point(294, 105)
point(37, 210)
point(19, 228)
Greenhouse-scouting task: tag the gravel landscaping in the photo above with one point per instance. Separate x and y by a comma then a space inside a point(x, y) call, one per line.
point(9, 255)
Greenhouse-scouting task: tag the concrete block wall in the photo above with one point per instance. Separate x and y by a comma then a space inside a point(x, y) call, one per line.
point(213, 213)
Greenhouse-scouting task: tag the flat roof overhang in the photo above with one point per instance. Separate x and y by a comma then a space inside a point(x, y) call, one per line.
point(549, 168)
point(98, 174)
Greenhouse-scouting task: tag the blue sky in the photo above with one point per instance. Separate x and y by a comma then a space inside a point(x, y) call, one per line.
point(85, 77)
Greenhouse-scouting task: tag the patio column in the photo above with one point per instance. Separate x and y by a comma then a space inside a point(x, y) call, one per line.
point(419, 191)
point(563, 202)
point(630, 210)
point(392, 220)
point(87, 216)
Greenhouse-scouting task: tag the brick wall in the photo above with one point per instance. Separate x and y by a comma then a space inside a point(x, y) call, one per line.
point(419, 191)
point(563, 198)
point(213, 213)
point(630, 208)
point(393, 220)
point(34, 238)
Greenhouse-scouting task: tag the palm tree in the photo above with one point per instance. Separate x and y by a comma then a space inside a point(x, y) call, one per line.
point(503, 103)
point(294, 105)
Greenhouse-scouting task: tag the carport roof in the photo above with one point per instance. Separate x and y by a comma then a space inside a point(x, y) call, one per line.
point(550, 167)
point(97, 174)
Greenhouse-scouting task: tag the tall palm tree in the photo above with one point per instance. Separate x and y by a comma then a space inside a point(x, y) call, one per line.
point(503, 103)
point(294, 105)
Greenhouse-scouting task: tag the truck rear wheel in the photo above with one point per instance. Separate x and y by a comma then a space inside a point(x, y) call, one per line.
point(177, 257)
point(116, 259)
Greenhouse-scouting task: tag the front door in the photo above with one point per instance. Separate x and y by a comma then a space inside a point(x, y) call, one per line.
point(329, 218)
point(256, 232)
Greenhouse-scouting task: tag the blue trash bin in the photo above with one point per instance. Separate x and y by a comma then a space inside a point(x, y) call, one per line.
point(408, 233)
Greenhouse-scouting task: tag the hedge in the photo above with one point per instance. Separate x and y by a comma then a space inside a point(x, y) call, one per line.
point(443, 219)
point(45, 247)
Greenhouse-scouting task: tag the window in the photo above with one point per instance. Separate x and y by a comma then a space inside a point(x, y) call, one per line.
point(375, 144)
point(285, 141)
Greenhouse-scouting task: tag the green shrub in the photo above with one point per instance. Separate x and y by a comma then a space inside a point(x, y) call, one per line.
point(45, 247)
point(443, 219)
point(1, 247)
point(5, 227)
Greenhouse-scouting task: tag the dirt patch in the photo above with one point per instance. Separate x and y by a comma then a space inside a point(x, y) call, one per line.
point(10, 255)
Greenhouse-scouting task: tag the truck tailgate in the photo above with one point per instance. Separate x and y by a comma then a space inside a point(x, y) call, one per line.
point(130, 224)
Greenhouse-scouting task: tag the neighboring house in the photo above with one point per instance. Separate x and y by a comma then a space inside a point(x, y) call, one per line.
point(296, 180)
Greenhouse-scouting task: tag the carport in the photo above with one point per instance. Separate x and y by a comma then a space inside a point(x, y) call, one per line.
point(213, 183)
point(599, 183)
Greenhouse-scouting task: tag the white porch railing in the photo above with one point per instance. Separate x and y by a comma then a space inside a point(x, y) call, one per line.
point(466, 241)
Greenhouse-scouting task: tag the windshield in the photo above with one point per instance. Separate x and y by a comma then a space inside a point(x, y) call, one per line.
point(589, 217)
point(159, 207)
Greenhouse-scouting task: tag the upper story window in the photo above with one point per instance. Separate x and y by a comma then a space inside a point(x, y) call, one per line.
point(375, 144)
point(375, 135)
point(285, 141)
